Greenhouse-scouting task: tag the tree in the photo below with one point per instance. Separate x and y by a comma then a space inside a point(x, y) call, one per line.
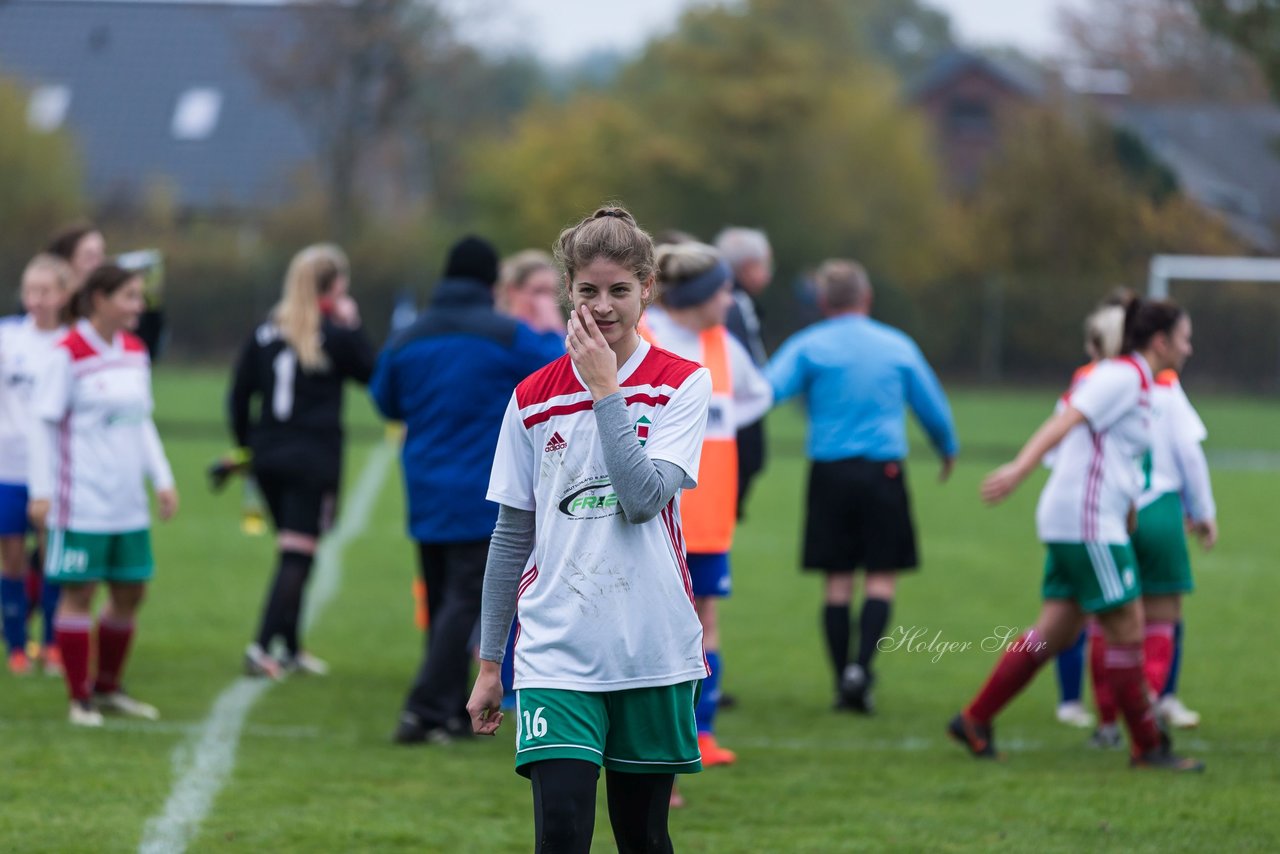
point(1063, 216)
point(1163, 48)
point(348, 71)
point(41, 177)
point(1253, 25)
point(772, 115)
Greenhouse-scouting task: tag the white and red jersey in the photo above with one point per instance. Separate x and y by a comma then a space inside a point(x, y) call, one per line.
point(24, 349)
point(604, 604)
point(94, 443)
point(1097, 468)
point(1177, 461)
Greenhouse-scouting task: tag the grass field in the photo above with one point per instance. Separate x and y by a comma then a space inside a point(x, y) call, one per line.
point(315, 770)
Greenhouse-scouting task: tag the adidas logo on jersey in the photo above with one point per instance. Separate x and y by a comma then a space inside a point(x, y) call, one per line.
point(555, 443)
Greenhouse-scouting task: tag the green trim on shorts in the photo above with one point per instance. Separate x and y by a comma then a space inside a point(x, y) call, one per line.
point(75, 557)
point(1160, 544)
point(638, 730)
point(1097, 576)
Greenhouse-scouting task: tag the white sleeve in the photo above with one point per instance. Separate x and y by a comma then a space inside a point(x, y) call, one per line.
point(1188, 432)
point(512, 480)
point(50, 401)
point(681, 425)
point(1107, 393)
point(158, 470)
point(752, 393)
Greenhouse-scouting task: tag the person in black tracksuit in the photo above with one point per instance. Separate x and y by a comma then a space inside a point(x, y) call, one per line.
point(750, 257)
point(296, 364)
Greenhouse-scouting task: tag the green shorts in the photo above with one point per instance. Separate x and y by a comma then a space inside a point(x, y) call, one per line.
point(75, 557)
point(1160, 544)
point(1098, 576)
point(639, 730)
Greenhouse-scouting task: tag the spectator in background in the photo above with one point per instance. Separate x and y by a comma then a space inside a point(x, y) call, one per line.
point(448, 377)
point(27, 342)
point(83, 247)
point(750, 257)
point(527, 291)
point(858, 377)
point(296, 364)
point(92, 449)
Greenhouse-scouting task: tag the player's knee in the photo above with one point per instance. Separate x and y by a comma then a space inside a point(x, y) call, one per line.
point(562, 824)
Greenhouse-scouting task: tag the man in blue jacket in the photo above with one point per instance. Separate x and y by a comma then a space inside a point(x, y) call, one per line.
point(448, 377)
point(859, 377)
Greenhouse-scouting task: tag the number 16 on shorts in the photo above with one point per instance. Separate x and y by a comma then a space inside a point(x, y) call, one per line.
point(533, 724)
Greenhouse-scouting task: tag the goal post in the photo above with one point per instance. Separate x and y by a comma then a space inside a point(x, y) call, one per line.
point(1208, 268)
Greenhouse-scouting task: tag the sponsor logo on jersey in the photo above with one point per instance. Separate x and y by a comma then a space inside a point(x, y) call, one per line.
point(590, 499)
point(555, 443)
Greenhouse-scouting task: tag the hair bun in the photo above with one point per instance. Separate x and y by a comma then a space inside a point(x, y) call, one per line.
point(617, 213)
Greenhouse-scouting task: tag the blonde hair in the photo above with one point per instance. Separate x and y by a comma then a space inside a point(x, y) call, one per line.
point(63, 275)
point(517, 269)
point(1104, 332)
point(311, 274)
point(610, 233)
point(47, 262)
point(679, 262)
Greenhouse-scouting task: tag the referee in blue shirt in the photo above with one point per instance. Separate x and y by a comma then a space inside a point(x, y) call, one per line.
point(858, 377)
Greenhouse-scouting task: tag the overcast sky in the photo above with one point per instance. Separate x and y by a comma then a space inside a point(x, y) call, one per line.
point(561, 30)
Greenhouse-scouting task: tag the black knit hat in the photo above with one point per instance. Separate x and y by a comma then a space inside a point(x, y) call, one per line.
point(473, 258)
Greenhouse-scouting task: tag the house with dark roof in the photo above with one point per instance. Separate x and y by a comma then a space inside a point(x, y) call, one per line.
point(159, 92)
point(963, 95)
point(1225, 157)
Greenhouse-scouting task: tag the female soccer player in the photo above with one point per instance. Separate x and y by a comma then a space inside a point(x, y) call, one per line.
point(93, 446)
point(694, 295)
point(83, 247)
point(1103, 335)
point(26, 343)
point(527, 291)
point(1083, 520)
point(296, 363)
point(591, 459)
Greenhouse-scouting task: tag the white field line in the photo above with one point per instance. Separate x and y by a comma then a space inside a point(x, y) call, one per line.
point(203, 762)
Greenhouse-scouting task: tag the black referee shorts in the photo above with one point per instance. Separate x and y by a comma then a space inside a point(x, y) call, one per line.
point(297, 502)
point(859, 516)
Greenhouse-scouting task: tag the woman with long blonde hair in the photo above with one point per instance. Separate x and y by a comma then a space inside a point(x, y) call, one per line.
point(297, 363)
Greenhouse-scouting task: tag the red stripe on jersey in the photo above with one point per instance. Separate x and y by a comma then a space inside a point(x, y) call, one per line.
point(1142, 375)
point(551, 412)
point(677, 545)
point(132, 343)
point(553, 380)
point(650, 399)
point(1092, 489)
point(662, 367)
point(527, 580)
point(76, 344)
point(1167, 378)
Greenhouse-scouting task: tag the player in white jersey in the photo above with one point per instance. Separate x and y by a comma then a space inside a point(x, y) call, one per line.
point(26, 342)
point(694, 296)
point(1176, 495)
point(92, 449)
point(1082, 518)
point(588, 554)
